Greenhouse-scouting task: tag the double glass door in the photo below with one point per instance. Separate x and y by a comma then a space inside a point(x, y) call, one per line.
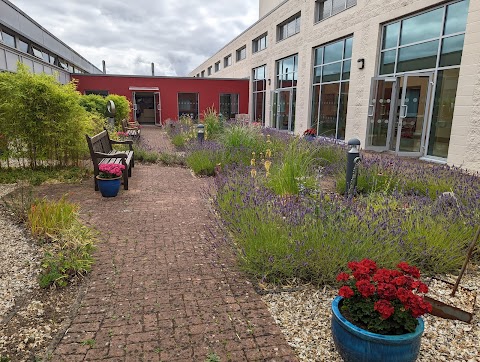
point(398, 113)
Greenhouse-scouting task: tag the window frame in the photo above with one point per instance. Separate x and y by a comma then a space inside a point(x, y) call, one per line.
point(239, 52)
point(257, 42)
point(282, 28)
point(318, 3)
point(227, 60)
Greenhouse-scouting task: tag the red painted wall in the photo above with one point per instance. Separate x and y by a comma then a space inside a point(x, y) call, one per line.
point(208, 89)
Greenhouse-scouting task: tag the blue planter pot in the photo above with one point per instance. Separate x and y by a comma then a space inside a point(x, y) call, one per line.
point(109, 187)
point(357, 345)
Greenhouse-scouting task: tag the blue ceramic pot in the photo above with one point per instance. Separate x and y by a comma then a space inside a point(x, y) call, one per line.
point(109, 186)
point(357, 345)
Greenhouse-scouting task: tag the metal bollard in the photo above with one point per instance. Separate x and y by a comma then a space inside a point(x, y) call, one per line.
point(353, 157)
point(200, 132)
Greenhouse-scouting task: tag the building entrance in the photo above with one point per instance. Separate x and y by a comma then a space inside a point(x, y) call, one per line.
point(399, 113)
point(147, 108)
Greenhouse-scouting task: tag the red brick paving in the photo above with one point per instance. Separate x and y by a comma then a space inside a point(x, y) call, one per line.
point(162, 289)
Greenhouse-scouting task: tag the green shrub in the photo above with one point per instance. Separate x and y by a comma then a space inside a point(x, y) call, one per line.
point(213, 124)
point(71, 244)
point(293, 171)
point(41, 120)
point(179, 140)
point(48, 219)
point(143, 155)
point(203, 161)
point(123, 107)
point(169, 159)
point(42, 174)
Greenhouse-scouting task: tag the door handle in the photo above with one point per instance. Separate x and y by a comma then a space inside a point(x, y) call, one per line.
point(403, 108)
point(370, 108)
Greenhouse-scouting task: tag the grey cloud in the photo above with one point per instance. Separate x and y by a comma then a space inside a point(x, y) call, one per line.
point(176, 35)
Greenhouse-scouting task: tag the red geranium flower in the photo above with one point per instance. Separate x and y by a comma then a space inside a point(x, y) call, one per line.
point(388, 301)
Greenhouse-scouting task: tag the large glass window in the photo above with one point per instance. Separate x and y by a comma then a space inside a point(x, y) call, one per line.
point(209, 70)
point(414, 43)
point(289, 27)
point(284, 102)
point(217, 66)
point(259, 87)
point(433, 41)
point(188, 105)
point(444, 104)
point(229, 105)
point(332, 63)
point(327, 8)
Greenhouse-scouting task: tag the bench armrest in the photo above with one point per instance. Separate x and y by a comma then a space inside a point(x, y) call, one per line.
point(126, 142)
point(109, 155)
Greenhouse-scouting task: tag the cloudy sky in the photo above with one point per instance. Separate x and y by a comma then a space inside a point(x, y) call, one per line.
point(176, 35)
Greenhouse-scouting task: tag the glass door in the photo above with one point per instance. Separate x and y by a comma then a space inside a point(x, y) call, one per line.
point(412, 114)
point(283, 109)
point(380, 113)
point(158, 109)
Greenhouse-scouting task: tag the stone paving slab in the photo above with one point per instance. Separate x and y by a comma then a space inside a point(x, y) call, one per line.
point(164, 287)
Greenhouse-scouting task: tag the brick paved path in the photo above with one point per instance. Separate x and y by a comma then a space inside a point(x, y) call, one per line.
point(164, 286)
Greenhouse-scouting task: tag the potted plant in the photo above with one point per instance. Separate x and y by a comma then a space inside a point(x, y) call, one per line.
point(376, 316)
point(109, 178)
point(310, 134)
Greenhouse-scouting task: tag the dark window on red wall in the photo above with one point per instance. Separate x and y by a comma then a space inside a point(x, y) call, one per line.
point(188, 105)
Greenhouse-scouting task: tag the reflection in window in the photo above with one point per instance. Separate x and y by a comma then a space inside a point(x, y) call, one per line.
point(188, 105)
point(241, 53)
point(22, 46)
point(390, 35)
point(425, 30)
point(422, 27)
point(217, 66)
point(452, 48)
point(330, 88)
point(8, 39)
point(444, 104)
point(416, 57)
point(229, 105)
point(286, 72)
point(259, 92)
point(456, 21)
point(37, 52)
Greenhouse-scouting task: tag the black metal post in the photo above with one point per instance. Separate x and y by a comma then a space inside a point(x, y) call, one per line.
point(200, 132)
point(352, 154)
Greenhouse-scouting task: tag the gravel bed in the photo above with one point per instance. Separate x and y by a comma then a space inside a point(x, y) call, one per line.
point(304, 318)
point(19, 262)
point(29, 316)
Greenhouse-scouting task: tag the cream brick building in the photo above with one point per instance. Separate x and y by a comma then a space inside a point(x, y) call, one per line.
point(401, 75)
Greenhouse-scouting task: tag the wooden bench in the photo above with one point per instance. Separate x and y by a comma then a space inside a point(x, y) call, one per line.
point(101, 152)
point(131, 129)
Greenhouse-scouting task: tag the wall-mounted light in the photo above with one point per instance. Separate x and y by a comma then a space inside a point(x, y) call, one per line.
point(361, 63)
point(269, 81)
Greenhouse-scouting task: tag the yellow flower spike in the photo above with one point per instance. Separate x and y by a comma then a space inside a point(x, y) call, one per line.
point(268, 139)
point(267, 165)
point(267, 174)
point(252, 162)
point(253, 172)
point(268, 153)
